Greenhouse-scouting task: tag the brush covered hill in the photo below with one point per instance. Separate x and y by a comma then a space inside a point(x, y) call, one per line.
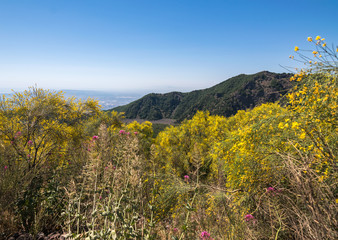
point(225, 99)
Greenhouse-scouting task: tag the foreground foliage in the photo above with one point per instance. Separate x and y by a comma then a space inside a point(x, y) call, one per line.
point(265, 173)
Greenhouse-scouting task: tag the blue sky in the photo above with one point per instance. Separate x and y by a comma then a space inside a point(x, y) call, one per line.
point(152, 45)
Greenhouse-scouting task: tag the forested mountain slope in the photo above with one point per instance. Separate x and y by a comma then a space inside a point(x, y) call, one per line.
point(225, 99)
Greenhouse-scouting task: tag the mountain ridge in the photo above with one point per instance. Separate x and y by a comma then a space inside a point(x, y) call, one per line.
point(225, 98)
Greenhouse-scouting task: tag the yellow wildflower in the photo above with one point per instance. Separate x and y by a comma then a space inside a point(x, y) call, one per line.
point(315, 52)
point(281, 125)
point(324, 45)
point(320, 179)
point(318, 37)
point(309, 39)
point(295, 125)
point(296, 48)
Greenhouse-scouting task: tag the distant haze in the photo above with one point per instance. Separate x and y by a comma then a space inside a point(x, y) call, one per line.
point(107, 100)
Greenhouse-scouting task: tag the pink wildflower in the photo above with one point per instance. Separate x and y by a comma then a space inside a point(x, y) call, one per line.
point(5, 168)
point(18, 133)
point(128, 133)
point(248, 217)
point(30, 142)
point(205, 235)
point(135, 133)
point(175, 230)
point(186, 178)
point(272, 190)
point(95, 137)
point(122, 132)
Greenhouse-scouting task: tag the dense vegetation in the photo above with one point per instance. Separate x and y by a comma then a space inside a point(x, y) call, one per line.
point(265, 173)
point(224, 99)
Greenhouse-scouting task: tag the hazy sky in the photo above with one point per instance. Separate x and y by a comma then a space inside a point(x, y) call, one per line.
point(155, 45)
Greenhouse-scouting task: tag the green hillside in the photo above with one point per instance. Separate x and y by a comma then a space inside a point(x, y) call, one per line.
point(153, 106)
point(225, 98)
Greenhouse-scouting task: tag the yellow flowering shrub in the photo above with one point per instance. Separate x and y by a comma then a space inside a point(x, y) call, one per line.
point(37, 125)
point(315, 107)
point(185, 148)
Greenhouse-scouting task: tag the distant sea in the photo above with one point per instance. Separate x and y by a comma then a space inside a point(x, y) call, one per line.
point(107, 99)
